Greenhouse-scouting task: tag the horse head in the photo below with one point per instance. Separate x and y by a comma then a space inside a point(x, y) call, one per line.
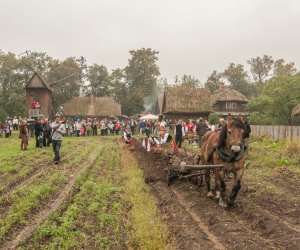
point(235, 133)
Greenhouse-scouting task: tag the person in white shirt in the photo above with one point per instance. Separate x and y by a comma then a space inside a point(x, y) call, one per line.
point(15, 123)
point(58, 130)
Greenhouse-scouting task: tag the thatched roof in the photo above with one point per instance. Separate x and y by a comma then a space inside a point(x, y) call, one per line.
point(296, 111)
point(92, 106)
point(37, 82)
point(186, 100)
point(227, 94)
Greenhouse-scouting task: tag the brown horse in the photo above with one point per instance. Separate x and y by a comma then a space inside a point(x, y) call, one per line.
point(231, 154)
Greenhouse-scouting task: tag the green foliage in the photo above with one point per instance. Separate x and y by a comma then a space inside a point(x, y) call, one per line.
point(238, 78)
point(275, 104)
point(141, 78)
point(99, 79)
point(214, 118)
point(281, 68)
point(213, 81)
point(260, 68)
point(64, 89)
point(189, 81)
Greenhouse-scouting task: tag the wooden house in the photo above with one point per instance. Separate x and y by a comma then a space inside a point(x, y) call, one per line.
point(226, 100)
point(186, 103)
point(37, 90)
point(91, 107)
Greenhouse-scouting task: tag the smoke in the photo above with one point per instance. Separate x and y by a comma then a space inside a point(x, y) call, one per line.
point(149, 104)
point(150, 101)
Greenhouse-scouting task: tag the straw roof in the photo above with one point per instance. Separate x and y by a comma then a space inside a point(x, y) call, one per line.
point(186, 100)
point(296, 111)
point(37, 82)
point(92, 106)
point(227, 94)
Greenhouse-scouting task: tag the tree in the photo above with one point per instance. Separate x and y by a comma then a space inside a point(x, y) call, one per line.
point(238, 78)
point(65, 88)
point(260, 68)
point(141, 76)
point(284, 92)
point(281, 68)
point(189, 81)
point(11, 85)
point(213, 81)
point(275, 104)
point(99, 80)
point(119, 88)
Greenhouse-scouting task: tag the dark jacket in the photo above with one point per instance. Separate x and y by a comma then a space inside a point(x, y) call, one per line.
point(38, 128)
point(201, 128)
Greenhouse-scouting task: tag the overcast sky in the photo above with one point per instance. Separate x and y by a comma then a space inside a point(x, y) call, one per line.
point(193, 36)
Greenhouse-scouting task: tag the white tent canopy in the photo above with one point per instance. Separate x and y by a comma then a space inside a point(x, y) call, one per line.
point(149, 117)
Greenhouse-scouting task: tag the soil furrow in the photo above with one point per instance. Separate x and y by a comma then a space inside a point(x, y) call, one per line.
point(36, 172)
point(181, 224)
point(216, 243)
point(45, 212)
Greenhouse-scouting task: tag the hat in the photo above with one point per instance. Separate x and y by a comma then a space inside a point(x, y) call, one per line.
point(57, 115)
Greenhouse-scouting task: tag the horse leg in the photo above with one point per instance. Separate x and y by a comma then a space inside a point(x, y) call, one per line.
point(221, 189)
point(207, 181)
point(236, 188)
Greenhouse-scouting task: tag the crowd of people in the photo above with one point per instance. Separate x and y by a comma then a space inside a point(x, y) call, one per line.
point(192, 131)
point(158, 135)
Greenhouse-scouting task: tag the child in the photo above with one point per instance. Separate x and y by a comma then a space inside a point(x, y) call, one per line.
point(23, 135)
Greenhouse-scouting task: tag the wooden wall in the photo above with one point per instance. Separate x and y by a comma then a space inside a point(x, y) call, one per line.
point(221, 107)
point(276, 132)
point(43, 96)
point(185, 116)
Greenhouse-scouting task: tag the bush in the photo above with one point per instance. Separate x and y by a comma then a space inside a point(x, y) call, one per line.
point(214, 118)
point(292, 147)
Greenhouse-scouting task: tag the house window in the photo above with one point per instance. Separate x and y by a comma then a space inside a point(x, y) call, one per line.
point(231, 105)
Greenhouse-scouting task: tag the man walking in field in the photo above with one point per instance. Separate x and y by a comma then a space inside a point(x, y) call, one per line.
point(58, 130)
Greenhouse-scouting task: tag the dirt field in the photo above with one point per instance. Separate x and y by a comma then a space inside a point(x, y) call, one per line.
point(103, 196)
point(266, 214)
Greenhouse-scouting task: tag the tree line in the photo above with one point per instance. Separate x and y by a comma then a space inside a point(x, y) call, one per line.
point(272, 86)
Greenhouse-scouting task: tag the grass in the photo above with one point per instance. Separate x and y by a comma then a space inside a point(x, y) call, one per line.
point(24, 200)
point(266, 157)
point(146, 230)
point(110, 206)
point(92, 219)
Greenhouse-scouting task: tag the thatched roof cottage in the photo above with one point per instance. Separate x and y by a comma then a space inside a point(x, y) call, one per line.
point(296, 110)
point(226, 100)
point(186, 103)
point(91, 107)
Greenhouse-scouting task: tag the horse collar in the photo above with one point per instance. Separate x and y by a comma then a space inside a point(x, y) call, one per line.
point(229, 158)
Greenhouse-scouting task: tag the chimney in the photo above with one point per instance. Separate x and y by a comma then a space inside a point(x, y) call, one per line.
point(221, 85)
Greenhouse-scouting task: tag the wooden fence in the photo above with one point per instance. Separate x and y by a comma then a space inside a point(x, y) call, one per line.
point(277, 132)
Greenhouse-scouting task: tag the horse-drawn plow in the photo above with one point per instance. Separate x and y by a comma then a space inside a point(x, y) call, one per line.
point(256, 221)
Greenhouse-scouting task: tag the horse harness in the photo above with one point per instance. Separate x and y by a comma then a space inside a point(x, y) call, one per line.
point(226, 157)
point(229, 158)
